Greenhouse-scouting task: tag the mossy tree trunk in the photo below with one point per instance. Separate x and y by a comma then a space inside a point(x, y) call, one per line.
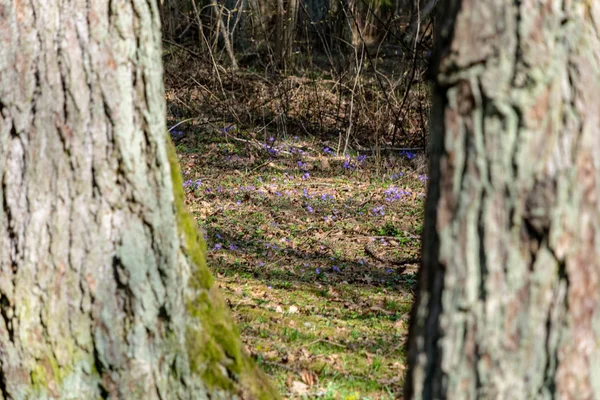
point(103, 287)
point(508, 302)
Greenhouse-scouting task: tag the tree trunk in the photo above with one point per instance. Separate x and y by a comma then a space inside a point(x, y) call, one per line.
point(508, 303)
point(223, 29)
point(172, 12)
point(104, 291)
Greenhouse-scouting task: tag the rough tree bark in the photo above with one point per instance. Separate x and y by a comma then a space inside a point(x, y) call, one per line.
point(509, 293)
point(103, 287)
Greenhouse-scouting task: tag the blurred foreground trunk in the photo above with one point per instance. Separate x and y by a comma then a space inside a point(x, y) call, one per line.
point(104, 291)
point(508, 301)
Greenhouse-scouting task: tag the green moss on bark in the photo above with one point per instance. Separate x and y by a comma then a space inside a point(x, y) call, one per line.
point(214, 347)
point(193, 244)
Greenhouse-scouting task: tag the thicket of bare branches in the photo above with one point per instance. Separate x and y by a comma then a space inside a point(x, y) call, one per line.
point(352, 69)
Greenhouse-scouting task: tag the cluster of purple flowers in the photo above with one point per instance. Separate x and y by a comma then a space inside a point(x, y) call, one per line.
point(176, 134)
point(190, 184)
point(302, 166)
point(423, 178)
point(378, 211)
point(397, 176)
point(351, 164)
point(270, 246)
point(296, 150)
point(393, 193)
point(407, 154)
point(231, 247)
point(271, 150)
point(328, 151)
point(326, 197)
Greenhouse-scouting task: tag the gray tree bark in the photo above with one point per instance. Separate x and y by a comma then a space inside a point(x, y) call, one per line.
point(104, 292)
point(508, 302)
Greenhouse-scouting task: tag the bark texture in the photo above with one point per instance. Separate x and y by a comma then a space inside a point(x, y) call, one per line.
point(104, 292)
point(509, 294)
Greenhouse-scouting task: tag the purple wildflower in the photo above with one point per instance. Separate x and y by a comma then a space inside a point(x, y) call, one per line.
point(408, 154)
point(393, 193)
point(348, 164)
point(177, 134)
point(378, 211)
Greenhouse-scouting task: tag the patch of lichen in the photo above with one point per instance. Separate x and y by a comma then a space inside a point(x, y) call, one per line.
point(214, 347)
point(47, 376)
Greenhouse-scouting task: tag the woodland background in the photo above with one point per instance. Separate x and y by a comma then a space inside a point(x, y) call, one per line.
point(301, 128)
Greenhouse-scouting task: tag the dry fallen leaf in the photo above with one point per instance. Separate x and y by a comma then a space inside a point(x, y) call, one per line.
point(309, 377)
point(299, 388)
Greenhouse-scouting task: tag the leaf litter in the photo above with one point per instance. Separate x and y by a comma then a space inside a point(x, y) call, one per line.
point(316, 257)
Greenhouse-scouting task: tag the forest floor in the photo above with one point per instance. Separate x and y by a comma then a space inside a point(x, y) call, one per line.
point(315, 255)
